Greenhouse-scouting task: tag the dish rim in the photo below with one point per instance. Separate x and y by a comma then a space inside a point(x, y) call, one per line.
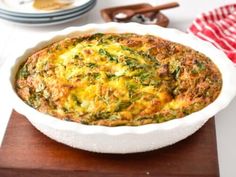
point(225, 66)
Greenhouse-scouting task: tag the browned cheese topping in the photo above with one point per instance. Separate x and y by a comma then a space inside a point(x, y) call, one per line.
point(118, 79)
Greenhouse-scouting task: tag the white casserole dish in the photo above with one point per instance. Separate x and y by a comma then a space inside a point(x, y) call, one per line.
point(126, 139)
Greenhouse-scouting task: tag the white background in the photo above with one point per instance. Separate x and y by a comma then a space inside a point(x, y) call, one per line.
point(15, 38)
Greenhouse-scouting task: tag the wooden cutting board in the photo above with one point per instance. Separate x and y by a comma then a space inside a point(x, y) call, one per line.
point(28, 153)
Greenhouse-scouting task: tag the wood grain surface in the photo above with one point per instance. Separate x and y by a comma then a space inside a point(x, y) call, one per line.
point(28, 153)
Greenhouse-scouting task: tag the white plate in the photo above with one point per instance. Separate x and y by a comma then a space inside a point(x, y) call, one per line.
point(49, 21)
point(45, 15)
point(125, 139)
point(14, 7)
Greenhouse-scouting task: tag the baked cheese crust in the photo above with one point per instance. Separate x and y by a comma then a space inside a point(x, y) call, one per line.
point(118, 79)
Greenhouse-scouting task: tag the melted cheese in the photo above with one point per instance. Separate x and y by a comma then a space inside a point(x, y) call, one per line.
point(112, 79)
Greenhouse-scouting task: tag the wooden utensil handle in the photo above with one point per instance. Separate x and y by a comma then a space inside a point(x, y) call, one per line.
point(159, 7)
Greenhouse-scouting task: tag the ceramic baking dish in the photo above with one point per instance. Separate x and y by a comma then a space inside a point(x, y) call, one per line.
point(125, 139)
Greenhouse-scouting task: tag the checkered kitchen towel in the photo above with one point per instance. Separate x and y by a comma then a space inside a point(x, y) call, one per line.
point(218, 27)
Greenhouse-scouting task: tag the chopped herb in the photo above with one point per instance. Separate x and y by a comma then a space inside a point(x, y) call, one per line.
point(131, 89)
point(24, 72)
point(34, 100)
point(155, 83)
point(102, 52)
point(131, 86)
point(122, 105)
point(110, 75)
point(149, 57)
point(76, 57)
point(177, 72)
point(145, 78)
point(85, 121)
point(92, 77)
point(101, 115)
point(135, 96)
point(91, 65)
point(78, 40)
point(96, 36)
point(65, 110)
point(159, 118)
point(200, 65)
point(132, 63)
point(49, 51)
point(174, 68)
point(126, 48)
point(76, 100)
point(108, 55)
point(102, 41)
point(75, 43)
point(194, 71)
point(112, 38)
point(142, 54)
point(95, 75)
point(58, 47)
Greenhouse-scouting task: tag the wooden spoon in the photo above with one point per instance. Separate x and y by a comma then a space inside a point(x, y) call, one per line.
point(126, 14)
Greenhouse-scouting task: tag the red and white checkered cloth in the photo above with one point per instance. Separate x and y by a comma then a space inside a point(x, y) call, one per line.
point(218, 27)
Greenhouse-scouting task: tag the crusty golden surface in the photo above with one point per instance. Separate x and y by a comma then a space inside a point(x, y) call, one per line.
point(118, 79)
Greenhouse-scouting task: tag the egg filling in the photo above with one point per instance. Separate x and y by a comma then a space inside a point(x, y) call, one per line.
point(118, 79)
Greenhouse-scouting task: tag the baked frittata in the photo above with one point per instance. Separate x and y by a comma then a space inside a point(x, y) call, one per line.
point(118, 79)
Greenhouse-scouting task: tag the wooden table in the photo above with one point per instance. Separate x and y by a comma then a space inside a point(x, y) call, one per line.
point(28, 153)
